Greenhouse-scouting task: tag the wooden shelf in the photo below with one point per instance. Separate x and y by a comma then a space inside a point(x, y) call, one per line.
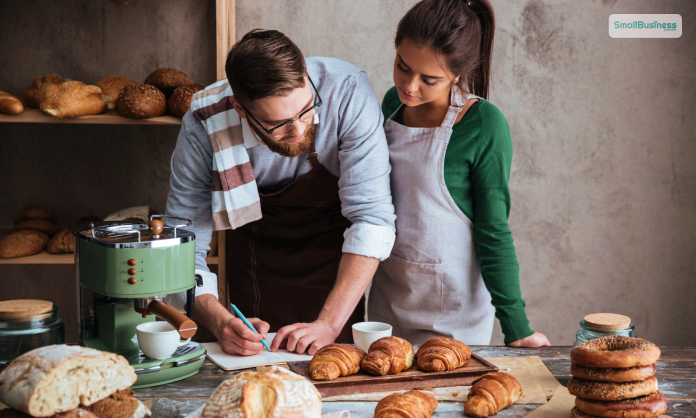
point(110, 117)
point(46, 258)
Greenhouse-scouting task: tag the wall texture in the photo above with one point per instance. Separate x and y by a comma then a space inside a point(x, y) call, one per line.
point(603, 180)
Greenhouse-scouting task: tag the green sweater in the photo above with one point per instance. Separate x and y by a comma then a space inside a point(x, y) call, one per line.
point(477, 173)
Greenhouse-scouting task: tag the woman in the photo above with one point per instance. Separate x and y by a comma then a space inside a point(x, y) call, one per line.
point(453, 264)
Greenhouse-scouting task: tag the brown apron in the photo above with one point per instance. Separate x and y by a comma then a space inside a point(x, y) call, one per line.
point(282, 267)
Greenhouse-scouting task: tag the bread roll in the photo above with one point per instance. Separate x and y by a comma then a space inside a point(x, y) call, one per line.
point(10, 104)
point(23, 243)
point(180, 101)
point(34, 212)
point(111, 87)
point(141, 101)
point(40, 225)
point(62, 242)
point(276, 392)
point(72, 99)
point(167, 80)
point(58, 378)
point(36, 93)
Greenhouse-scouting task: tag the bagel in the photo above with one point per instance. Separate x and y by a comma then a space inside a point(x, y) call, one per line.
point(606, 391)
point(643, 407)
point(616, 352)
point(629, 374)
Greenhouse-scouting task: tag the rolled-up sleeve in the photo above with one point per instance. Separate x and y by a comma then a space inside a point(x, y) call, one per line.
point(190, 196)
point(364, 173)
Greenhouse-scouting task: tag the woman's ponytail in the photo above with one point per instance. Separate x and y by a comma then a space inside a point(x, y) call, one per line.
point(479, 80)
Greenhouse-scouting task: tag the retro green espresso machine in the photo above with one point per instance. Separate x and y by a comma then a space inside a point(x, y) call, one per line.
point(125, 270)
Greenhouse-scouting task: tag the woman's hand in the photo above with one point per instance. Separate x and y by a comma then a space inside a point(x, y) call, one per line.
point(303, 337)
point(535, 340)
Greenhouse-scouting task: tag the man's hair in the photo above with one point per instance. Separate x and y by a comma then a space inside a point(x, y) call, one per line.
point(264, 63)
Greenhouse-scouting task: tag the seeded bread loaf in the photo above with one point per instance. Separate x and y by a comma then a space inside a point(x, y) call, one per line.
point(141, 101)
point(180, 101)
point(167, 80)
point(58, 378)
point(72, 99)
point(62, 242)
point(36, 93)
point(111, 87)
point(40, 225)
point(23, 243)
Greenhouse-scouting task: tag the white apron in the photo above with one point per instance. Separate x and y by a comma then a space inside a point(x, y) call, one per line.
point(431, 284)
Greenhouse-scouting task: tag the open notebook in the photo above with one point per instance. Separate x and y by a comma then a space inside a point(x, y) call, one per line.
point(229, 362)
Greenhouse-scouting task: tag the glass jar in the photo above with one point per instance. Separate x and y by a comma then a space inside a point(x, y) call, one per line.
point(25, 333)
point(588, 333)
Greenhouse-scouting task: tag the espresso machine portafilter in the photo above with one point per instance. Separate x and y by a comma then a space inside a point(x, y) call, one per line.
point(125, 271)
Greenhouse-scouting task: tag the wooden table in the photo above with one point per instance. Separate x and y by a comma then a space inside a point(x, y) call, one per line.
point(676, 374)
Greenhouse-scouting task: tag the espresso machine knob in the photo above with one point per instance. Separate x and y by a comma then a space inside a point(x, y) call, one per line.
point(156, 227)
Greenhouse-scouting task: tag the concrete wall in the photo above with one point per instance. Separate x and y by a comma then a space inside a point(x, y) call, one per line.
point(603, 181)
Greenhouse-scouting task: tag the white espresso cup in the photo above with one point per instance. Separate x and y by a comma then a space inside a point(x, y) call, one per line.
point(158, 340)
point(365, 333)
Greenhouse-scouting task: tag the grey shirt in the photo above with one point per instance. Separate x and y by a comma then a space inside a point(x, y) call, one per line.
point(350, 143)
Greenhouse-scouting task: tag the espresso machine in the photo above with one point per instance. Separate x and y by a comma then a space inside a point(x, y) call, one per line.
point(125, 270)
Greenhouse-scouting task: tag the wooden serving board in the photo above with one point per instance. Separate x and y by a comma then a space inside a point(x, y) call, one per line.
point(413, 378)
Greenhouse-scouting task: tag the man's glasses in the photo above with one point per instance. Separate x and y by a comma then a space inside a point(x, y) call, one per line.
point(304, 117)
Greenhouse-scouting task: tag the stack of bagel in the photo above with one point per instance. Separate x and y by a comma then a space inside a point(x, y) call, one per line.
point(614, 377)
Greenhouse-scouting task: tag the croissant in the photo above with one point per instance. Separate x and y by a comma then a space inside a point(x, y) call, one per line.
point(440, 354)
point(491, 393)
point(388, 355)
point(335, 360)
point(411, 404)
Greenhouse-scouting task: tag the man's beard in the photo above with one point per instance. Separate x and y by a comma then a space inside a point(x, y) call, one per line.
point(288, 149)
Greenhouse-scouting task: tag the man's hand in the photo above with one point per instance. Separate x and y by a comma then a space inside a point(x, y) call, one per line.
point(305, 337)
point(535, 340)
point(236, 338)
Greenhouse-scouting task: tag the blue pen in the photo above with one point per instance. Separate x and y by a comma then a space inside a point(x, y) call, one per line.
point(243, 318)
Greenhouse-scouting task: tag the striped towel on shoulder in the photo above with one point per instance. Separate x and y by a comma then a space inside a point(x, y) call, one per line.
point(235, 194)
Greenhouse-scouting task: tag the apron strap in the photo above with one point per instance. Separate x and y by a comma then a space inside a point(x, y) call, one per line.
point(457, 100)
point(312, 157)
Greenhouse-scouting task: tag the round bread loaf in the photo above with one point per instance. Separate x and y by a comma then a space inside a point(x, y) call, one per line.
point(111, 87)
point(608, 391)
point(629, 374)
point(34, 212)
point(648, 406)
point(23, 243)
point(35, 94)
point(167, 80)
point(615, 351)
point(72, 99)
point(46, 227)
point(141, 101)
point(62, 242)
point(180, 102)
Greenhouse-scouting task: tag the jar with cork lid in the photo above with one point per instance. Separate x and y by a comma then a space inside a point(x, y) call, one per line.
point(603, 325)
point(26, 324)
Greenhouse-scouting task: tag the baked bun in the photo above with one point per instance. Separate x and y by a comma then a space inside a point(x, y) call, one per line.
point(34, 212)
point(652, 405)
point(141, 101)
point(276, 392)
point(23, 243)
point(609, 391)
point(9, 104)
point(180, 101)
point(35, 94)
point(62, 242)
point(615, 352)
point(111, 87)
point(40, 225)
point(167, 80)
point(72, 99)
point(58, 378)
point(597, 374)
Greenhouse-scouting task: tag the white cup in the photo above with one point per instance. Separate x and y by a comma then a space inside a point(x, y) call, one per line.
point(158, 340)
point(365, 333)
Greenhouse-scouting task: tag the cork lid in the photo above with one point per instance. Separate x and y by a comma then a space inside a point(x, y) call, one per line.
point(24, 307)
point(607, 321)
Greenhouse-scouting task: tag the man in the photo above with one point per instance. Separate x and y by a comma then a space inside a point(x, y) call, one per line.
point(321, 174)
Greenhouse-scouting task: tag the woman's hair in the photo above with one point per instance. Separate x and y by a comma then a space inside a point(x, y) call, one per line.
point(460, 31)
point(264, 63)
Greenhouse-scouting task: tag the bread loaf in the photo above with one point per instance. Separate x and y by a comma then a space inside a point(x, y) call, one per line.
point(135, 213)
point(167, 80)
point(10, 104)
point(276, 392)
point(141, 101)
point(180, 101)
point(58, 378)
point(120, 404)
point(36, 93)
point(111, 87)
point(62, 242)
point(34, 212)
point(74, 413)
point(23, 243)
point(72, 99)
point(40, 225)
